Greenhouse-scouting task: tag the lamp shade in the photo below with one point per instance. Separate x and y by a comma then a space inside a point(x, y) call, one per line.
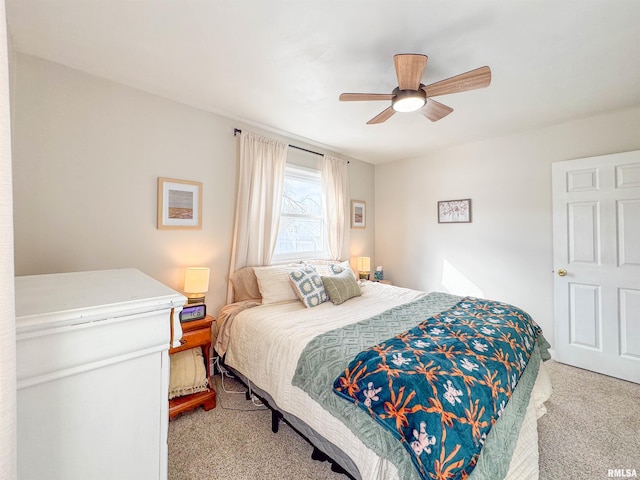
point(196, 280)
point(364, 264)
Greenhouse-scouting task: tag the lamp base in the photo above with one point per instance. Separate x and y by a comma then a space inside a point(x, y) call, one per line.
point(191, 300)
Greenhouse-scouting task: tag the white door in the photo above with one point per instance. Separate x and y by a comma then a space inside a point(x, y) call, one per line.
point(596, 235)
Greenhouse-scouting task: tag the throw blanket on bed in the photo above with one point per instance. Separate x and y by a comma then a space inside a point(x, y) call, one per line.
point(224, 321)
point(327, 355)
point(440, 386)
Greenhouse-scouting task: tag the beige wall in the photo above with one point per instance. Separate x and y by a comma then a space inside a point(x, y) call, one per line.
point(506, 252)
point(87, 155)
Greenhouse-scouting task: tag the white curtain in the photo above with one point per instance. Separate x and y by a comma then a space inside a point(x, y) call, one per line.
point(260, 185)
point(8, 466)
point(335, 194)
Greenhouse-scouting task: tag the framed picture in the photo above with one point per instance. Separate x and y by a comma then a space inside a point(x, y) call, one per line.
point(358, 214)
point(179, 204)
point(454, 211)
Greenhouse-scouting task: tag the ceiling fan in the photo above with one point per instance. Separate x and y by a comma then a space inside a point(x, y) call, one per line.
point(411, 95)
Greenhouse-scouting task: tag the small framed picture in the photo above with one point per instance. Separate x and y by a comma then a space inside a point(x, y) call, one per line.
point(358, 214)
point(454, 211)
point(179, 204)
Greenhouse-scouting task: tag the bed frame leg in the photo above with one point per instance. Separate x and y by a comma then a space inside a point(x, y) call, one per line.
point(338, 469)
point(319, 455)
point(275, 420)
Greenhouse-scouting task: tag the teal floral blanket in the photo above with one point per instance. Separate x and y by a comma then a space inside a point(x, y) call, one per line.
point(440, 386)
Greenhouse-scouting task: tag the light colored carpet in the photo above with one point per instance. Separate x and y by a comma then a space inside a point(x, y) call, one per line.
point(234, 442)
point(592, 425)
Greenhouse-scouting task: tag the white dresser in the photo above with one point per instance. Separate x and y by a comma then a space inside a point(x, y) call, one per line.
point(93, 375)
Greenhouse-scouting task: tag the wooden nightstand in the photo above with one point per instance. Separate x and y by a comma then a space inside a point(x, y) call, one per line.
point(196, 333)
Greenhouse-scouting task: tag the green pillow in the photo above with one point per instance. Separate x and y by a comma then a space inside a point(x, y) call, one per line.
point(341, 287)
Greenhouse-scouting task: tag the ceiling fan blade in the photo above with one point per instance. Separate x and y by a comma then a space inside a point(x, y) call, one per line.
point(478, 78)
point(409, 69)
point(434, 111)
point(356, 97)
point(382, 116)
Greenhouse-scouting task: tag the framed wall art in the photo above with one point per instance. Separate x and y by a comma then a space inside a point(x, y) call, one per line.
point(358, 214)
point(454, 211)
point(179, 204)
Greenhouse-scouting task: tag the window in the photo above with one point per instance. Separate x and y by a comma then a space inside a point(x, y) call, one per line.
point(302, 225)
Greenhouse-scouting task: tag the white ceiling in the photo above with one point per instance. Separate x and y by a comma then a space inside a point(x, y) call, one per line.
point(281, 65)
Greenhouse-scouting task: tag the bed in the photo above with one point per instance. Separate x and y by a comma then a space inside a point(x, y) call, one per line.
point(292, 354)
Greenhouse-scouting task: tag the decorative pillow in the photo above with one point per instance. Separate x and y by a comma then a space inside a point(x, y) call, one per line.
point(323, 267)
point(308, 286)
point(341, 287)
point(245, 285)
point(187, 373)
point(275, 284)
point(337, 268)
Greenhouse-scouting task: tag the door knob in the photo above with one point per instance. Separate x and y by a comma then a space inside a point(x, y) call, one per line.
point(562, 272)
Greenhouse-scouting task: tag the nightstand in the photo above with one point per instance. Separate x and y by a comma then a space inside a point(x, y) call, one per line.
point(196, 333)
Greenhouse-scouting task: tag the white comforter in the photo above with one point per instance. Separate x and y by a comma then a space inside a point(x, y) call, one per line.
point(265, 343)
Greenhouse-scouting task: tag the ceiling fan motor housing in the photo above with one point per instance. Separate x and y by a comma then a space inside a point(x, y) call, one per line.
point(408, 100)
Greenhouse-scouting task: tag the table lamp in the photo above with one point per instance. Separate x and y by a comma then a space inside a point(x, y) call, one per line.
point(364, 267)
point(196, 284)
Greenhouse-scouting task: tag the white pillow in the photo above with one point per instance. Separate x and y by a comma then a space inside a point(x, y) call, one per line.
point(275, 284)
point(320, 266)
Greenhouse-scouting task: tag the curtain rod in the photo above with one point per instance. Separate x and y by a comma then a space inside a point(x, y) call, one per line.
point(236, 131)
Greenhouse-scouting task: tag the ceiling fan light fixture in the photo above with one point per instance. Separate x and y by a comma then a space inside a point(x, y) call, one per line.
point(410, 95)
point(409, 100)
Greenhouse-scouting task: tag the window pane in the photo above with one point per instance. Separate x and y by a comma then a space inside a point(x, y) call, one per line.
point(301, 223)
point(300, 235)
point(301, 196)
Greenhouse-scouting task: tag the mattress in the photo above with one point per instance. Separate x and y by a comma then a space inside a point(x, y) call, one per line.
point(265, 343)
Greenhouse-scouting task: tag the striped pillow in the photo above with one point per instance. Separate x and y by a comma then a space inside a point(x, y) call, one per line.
point(341, 287)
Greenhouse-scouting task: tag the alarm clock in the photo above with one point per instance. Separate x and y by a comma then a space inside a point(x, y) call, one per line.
point(195, 311)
